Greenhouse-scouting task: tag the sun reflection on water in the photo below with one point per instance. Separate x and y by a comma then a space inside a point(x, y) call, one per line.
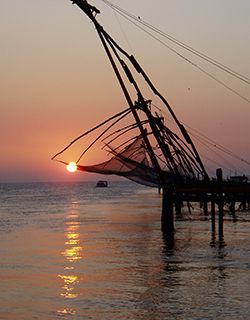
point(73, 249)
point(72, 254)
point(66, 311)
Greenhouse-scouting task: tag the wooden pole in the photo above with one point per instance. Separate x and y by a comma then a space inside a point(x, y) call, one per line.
point(220, 204)
point(213, 220)
point(213, 214)
point(167, 217)
point(178, 205)
point(232, 210)
point(205, 208)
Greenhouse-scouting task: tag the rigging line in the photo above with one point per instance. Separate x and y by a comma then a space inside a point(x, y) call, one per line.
point(219, 147)
point(204, 140)
point(102, 133)
point(122, 30)
point(217, 163)
point(180, 43)
point(123, 144)
point(161, 159)
point(189, 61)
point(127, 111)
point(134, 151)
point(222, 83)
point(118, 136)
point(174, 141)
point(180, 142)
point(210, 170)
point(223, 166)
point(207, 139)
point(113, 151)
point(121, 132)
point(201, 55)
point(206, 145)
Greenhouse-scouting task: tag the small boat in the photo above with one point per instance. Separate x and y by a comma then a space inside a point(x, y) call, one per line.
point(102, 184)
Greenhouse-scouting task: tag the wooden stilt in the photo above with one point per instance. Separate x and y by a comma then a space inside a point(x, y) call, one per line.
point(178, 204)
point(213, 230)
point(205, 208)
point(213, 214)
point(167, 218)
point(232, 210)
point(220, 205)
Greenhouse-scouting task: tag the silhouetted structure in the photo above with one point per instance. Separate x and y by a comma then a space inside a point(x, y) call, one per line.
point(156, 156)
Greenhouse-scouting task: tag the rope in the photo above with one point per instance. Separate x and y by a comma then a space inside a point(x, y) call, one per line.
point(130, 17)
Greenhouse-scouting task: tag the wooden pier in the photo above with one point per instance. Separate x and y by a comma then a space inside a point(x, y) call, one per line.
point(218, 192)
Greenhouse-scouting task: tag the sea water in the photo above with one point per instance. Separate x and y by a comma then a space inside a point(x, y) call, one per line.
point(73, 251)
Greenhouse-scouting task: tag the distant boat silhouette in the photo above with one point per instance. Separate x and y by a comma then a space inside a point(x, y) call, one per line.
point(102, 184)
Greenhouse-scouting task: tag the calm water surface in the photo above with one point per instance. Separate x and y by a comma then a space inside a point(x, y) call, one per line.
point(73, 251)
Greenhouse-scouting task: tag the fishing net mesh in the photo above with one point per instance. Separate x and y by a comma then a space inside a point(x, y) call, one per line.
point(131, 163)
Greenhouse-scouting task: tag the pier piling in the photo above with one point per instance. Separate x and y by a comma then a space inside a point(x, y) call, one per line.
point(167, 217)
point(220, 203)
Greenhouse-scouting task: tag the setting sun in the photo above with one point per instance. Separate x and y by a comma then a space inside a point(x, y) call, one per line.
point(72, 167)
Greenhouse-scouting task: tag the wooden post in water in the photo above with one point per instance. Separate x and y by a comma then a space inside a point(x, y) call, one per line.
point(213, 201)
point(213, 219)
point(220, 203)
point(178, 205)
point(205, 208)
point(167, 217)
point(232, 210)
point(213, 214)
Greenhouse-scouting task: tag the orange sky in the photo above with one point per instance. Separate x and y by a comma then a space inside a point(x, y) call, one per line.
point(56, 81)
